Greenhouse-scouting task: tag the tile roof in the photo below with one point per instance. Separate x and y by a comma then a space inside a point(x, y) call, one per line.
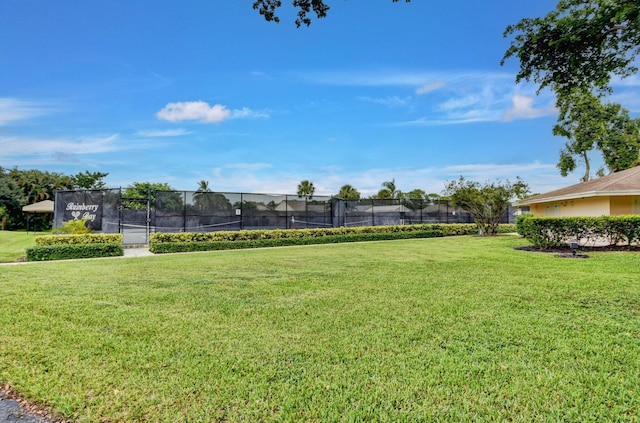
point(626, 182)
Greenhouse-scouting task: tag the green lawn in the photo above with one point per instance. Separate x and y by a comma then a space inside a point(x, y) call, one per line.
point(448, 329)
point(13, 243)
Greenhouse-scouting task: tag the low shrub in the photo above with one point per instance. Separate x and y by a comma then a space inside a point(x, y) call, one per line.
point(549, 232)
point(78, 239)
point(75, 227)
point(282, 241)
point(73, 251)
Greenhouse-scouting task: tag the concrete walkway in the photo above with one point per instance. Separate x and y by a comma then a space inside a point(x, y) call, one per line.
point(137, 252)
point(11, 411)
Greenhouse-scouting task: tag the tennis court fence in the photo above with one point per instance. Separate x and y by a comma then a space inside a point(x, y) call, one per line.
point(108, 211)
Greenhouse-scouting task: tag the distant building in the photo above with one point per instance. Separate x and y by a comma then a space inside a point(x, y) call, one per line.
point(615, 194)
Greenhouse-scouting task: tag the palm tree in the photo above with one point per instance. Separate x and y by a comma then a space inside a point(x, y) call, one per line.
point(306, 188)
point(206, 199)
point(348, 192)
point(200, 196)
point(388, 190)
point(203, 186)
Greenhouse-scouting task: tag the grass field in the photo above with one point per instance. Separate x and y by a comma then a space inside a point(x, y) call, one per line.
point(13, 243)
point(449, 329)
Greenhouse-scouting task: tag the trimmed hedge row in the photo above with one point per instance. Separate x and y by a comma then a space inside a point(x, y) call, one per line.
point(79, 239)
point(246, 235)
point(224, 240)
point(189, 246)
point(549, 232)
point(73, 251)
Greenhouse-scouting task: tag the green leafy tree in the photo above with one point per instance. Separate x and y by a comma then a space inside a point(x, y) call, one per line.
point(136, 195)
point(414, 199)
point(37, 185)
point(268, 8)
point(89, 180)
point(416, 194)
point(486, 203)
point(348, 192)
point(11, 200)
point(306, 188)
point(579, 45)
point(589, 124)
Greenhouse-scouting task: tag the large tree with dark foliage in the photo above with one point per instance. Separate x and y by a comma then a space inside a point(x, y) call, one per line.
point(581, 44)
point(589, 124)
point(576, 50)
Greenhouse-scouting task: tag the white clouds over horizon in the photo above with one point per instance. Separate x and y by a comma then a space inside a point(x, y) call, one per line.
point(12, 109)
point(163, 133)
point(203, 112)
point(447, 98)
point(260, 177)
point(428, 87)
point(60, 150)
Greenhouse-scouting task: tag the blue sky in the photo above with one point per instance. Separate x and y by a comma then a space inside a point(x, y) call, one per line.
point(178, 92)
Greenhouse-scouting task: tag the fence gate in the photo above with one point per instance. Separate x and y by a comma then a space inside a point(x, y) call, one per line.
point(136, 221)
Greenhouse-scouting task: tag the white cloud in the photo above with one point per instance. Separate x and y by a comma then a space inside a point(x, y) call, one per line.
point(392, 101)
point(522, 108)
point(163, 133)
point(205, 113)
point(13, 146)
point(12, 110)
point(429, 87)
point(246, 113)
point(194, 110)
point(460, 103)
point(45, 151)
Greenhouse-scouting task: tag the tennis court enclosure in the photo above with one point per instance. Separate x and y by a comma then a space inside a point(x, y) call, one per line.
point(108, 211)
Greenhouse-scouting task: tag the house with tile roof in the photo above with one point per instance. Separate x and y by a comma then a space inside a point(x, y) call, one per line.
point(614, 194)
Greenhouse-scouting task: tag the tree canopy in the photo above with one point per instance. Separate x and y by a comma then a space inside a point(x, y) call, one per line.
point(268, 9)
point(485, 202)
point(575, 50)
point(580, 44)
point(348, 192)
point(389, 190)
point(306, 188)
point(590, 124)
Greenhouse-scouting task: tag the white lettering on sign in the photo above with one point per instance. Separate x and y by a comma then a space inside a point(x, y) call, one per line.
point(83, 207)
point(83, 211)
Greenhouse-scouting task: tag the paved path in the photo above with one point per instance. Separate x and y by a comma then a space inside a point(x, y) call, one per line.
point(12, 412)
point(137, 252)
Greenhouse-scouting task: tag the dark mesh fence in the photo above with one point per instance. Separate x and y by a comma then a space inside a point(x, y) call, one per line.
point(189, 211)
point(380, 212)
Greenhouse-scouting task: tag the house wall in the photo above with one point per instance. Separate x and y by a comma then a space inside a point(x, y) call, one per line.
point(621, 205)
point(595, 206)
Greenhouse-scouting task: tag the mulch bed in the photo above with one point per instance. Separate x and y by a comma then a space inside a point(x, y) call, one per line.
point(565, 252)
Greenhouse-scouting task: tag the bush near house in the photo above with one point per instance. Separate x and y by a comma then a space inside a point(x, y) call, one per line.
point(224, 240)
point(62, 247)
point(549, 232)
